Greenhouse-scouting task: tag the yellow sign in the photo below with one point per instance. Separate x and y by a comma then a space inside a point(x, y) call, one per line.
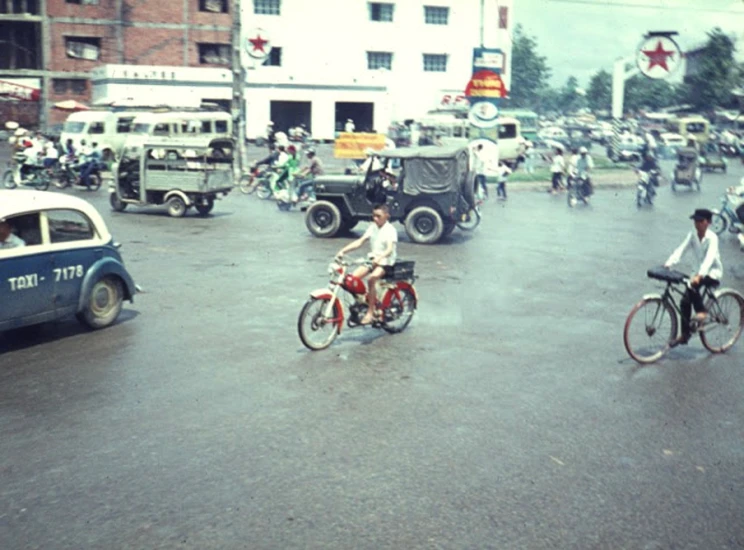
point(354, 145)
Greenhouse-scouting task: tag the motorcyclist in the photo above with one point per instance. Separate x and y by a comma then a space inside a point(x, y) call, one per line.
point(92, 159)
point(278, 156)
point(584, 165)
point(307, 174)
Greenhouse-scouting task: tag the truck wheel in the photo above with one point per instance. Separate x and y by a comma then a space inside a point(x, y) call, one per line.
point(323, 219)
point(424, 225)
point(176, 207)
point(116, 203)
point(205, 209)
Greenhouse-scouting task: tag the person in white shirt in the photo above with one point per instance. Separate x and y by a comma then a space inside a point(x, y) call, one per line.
point(502, 173)
point(7, 238)
point(383, 240)
point(557, 168)
point(349, 127)
point(479, 167)
point(703, 244)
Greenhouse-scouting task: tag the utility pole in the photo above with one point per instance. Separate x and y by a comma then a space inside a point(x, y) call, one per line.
point(238, 92)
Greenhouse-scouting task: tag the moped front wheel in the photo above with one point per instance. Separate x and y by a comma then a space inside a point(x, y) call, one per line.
point(318, 331)
point(263, 191)
point(42, 181)
point(649, 330)
point(399, 313)
point(9, 180)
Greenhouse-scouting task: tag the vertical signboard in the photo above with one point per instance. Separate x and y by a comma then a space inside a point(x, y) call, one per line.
point(485, 90)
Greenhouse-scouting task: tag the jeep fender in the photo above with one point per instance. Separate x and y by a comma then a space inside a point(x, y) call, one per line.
point(401, 285)
point(325, 294)
point(100, 269)
point(177, 192)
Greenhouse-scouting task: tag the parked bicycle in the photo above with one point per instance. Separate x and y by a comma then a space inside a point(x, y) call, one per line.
point(652, 324)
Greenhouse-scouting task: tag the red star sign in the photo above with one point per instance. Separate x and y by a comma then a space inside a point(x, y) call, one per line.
point(658, 57)
point(258, 43)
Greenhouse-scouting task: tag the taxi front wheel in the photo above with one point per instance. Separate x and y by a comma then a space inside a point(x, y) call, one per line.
point(104, 303)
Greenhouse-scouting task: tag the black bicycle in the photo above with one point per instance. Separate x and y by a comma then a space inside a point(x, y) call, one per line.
point(652, 324)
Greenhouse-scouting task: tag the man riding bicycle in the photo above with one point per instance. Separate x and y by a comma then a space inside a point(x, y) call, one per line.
point(703, 243)
point(383, 240)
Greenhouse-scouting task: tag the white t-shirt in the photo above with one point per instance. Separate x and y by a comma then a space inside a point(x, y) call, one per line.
point(379, 238)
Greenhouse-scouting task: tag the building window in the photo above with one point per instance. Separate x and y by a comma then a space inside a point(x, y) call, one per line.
point(214, 54)
point(83, 2)
point(213, 6)
point(436, 15)
point(379, 11)
point(83, 47)
point(435, 62)
point(70, 85)
point(275, 57)
point(379, 60)
point(28, 7)
point(267, 7)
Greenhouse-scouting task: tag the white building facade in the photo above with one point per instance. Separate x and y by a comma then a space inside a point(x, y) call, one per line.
point(373, 62)
point(331, 60)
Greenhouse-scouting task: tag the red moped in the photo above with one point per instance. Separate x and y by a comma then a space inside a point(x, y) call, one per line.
point(322, 316)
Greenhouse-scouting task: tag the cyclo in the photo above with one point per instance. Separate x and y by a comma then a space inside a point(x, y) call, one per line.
point(177, 173)
point(651, 326)
point(687, 170)
point(322, 316)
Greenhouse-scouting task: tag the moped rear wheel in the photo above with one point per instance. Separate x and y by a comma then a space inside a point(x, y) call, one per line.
point(399, 313)
point(725, 322)
point(315, 329)
point(649, 329)
point(718, 223)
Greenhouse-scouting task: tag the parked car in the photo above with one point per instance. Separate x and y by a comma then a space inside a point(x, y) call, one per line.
point(434, 192)
point(69, 263)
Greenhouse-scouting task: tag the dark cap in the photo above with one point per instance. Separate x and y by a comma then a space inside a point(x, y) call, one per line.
point(702, 214)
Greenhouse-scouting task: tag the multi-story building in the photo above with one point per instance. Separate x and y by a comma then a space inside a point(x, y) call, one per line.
point(330, 59)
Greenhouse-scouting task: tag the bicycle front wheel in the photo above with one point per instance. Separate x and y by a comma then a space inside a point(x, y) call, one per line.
point(650, 327)
point(246, 184)
point(725, 321)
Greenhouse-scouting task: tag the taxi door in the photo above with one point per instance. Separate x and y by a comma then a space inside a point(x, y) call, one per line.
point(75, 248)
point(26, 278)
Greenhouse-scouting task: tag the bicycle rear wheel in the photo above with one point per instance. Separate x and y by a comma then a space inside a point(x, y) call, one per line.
point(725, 321)
point(650, 327)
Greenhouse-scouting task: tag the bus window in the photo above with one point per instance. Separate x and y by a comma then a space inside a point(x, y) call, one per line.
point(96, 128)
point(220, 126)
point(695, 127)
point(206, 127)
point(124, 125)
point(161, 129)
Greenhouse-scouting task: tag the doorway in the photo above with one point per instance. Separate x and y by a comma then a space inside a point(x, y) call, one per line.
point(361, 113)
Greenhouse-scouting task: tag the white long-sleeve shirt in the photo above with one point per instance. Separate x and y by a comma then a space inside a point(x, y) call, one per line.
point(705, 251)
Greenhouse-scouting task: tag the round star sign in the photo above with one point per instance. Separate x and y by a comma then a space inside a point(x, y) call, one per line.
point(257, 44)
point(658, 56)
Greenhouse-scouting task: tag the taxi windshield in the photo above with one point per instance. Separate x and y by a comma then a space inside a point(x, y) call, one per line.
point(141, 128)
point(72, 127)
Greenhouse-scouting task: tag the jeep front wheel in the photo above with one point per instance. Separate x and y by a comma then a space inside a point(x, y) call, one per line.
point(323, 219)
point(424, 225)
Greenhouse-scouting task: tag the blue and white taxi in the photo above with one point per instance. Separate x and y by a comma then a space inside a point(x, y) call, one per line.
point(58, 258)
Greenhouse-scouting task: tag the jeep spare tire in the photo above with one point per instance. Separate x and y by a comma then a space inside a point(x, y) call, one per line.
point(468, 190)
point(424, 225)
point(323, 219)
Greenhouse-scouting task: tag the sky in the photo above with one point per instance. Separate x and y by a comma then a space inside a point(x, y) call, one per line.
point(580, 37)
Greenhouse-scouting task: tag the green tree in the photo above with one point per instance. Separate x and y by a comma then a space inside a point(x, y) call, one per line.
point(599, 94)
point(571, 97)
point(530, 72)
point(642, 93)
point(715, 75)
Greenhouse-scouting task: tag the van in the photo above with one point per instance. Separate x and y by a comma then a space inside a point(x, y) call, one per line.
point(695, 126)
point(456, 131)
point(214, 124)
point(108, 129)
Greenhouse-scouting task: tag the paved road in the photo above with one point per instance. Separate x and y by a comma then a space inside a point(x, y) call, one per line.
point(507, 416)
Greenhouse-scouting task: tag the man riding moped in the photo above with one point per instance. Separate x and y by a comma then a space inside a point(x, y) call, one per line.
point(383, 251)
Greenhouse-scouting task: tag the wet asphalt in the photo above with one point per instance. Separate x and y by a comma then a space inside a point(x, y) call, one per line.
point(507, 416)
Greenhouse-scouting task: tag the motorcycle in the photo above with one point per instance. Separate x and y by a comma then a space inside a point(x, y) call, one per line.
point(35, 176)
point(728, 216)
point(323, 315)
point(646, 188)
point(68, 173)
point(578, 188)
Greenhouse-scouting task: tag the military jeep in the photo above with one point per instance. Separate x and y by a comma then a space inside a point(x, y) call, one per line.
point(433, 193)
